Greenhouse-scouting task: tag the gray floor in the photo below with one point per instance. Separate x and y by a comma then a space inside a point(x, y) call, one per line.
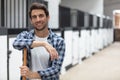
point(104, 65)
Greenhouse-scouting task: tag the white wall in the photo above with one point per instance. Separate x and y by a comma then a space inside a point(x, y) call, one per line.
point(91, 6)
point(15, 61)
point(3, 57)
point(0, 13)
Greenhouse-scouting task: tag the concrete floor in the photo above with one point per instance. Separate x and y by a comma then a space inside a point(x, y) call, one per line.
point(104, 65)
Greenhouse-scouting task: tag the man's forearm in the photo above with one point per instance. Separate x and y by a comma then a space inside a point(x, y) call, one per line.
point(37, 44)
point(52, 51)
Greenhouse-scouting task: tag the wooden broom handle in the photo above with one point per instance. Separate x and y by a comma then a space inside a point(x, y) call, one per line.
point(24, 60)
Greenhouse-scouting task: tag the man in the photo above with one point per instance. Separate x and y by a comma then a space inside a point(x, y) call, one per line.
point(45, 50)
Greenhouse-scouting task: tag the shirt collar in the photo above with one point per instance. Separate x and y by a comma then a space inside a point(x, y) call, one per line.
point(51, 34)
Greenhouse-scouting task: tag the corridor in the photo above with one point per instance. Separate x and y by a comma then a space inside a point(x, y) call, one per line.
point(103, 65)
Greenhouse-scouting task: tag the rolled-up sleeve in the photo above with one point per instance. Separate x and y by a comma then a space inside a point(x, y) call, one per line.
point(22, 40)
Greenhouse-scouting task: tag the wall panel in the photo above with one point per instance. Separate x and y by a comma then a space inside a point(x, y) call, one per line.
point(3, 57)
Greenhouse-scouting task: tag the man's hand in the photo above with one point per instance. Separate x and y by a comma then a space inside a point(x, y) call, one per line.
point(52, 51)
point(24, 70)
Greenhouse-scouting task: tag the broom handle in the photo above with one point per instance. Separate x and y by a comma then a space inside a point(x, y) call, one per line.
point(24, 60)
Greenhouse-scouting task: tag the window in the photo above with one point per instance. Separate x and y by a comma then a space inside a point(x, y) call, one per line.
point(98, 21)
point(91, 20)
point(64, 16)
point(104, 22)
point(2, 13)
point(80, 19)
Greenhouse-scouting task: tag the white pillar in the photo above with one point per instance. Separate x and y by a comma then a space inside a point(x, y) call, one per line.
point(53, 7)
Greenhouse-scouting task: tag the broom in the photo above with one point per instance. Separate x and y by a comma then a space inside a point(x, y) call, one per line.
point(24, 60)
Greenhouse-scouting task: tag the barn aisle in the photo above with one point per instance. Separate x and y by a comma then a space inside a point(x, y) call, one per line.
point(104, 65)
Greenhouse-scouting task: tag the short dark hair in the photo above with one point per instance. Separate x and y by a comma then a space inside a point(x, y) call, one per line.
point(36, 5)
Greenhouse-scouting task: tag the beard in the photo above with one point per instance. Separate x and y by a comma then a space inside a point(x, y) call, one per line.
point(37, 29)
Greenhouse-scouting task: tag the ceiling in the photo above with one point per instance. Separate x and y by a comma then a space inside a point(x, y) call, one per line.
point(110, 6)
point(111, 2)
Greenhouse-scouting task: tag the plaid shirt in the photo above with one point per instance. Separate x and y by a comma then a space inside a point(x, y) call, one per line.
point(25, 39)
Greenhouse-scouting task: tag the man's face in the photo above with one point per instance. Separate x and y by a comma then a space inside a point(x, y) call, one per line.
point(39, 19)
